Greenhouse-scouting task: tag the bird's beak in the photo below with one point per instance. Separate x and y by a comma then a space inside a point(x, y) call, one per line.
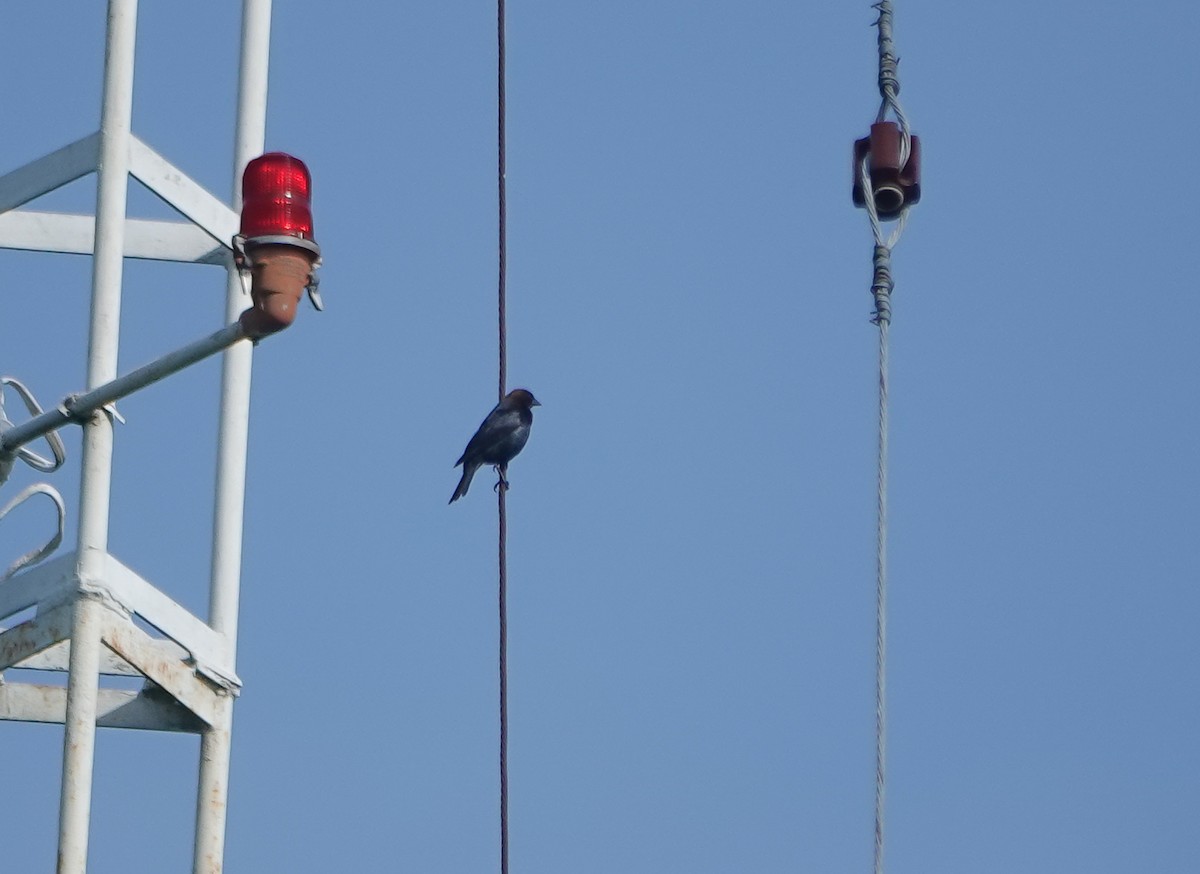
point(535, 403)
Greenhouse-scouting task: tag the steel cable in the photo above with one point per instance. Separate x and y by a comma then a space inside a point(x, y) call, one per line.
point(881, 290)
point(502, 551)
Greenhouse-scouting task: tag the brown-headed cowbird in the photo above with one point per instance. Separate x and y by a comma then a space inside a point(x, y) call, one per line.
point(500, 437)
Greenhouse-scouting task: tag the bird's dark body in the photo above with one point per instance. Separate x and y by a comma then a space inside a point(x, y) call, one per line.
point(500, 437)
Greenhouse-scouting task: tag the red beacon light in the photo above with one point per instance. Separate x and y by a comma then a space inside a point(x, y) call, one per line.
point(276, 242)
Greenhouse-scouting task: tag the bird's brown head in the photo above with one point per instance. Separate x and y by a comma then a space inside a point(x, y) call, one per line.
point(520, 398)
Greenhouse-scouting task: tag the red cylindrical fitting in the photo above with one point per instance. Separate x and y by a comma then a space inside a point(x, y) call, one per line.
point(277, 197)
point(894, 186)
point(279, 275)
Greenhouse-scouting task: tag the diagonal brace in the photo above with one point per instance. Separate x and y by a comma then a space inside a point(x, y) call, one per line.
point(49, 172)
point(181, 192)
point(161, 664)
point(31, 637)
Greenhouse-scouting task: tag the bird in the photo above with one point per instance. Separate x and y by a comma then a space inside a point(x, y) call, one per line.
point(500, 437)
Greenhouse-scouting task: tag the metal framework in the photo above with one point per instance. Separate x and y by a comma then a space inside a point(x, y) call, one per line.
point(86, 600)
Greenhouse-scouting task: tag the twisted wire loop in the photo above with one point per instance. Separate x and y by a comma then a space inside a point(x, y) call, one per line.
point(889, 93)
point(890, 240)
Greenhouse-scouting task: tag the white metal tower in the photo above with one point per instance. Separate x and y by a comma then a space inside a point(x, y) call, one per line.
point(86, 600)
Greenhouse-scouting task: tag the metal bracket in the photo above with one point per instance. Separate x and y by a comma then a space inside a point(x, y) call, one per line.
point(36, 555)
point(37, 462)
point(31, 458)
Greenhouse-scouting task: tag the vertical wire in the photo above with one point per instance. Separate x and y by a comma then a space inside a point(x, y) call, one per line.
point(502, 552)
point(881, 601)
point(503, 205)
point(889, 89)
point(503, 607)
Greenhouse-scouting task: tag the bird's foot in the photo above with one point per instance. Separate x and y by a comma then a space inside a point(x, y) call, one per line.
point(502, 484)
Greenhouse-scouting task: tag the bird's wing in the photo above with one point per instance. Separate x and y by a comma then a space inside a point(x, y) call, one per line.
point(491, 430)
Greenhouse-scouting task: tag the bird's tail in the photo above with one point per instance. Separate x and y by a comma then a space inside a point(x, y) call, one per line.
point(465, 482)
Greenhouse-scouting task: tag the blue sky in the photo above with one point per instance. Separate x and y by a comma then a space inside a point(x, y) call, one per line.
point(691, 527)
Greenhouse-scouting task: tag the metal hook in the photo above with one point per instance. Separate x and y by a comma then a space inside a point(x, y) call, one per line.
point(314, 291)
point(36, 555)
